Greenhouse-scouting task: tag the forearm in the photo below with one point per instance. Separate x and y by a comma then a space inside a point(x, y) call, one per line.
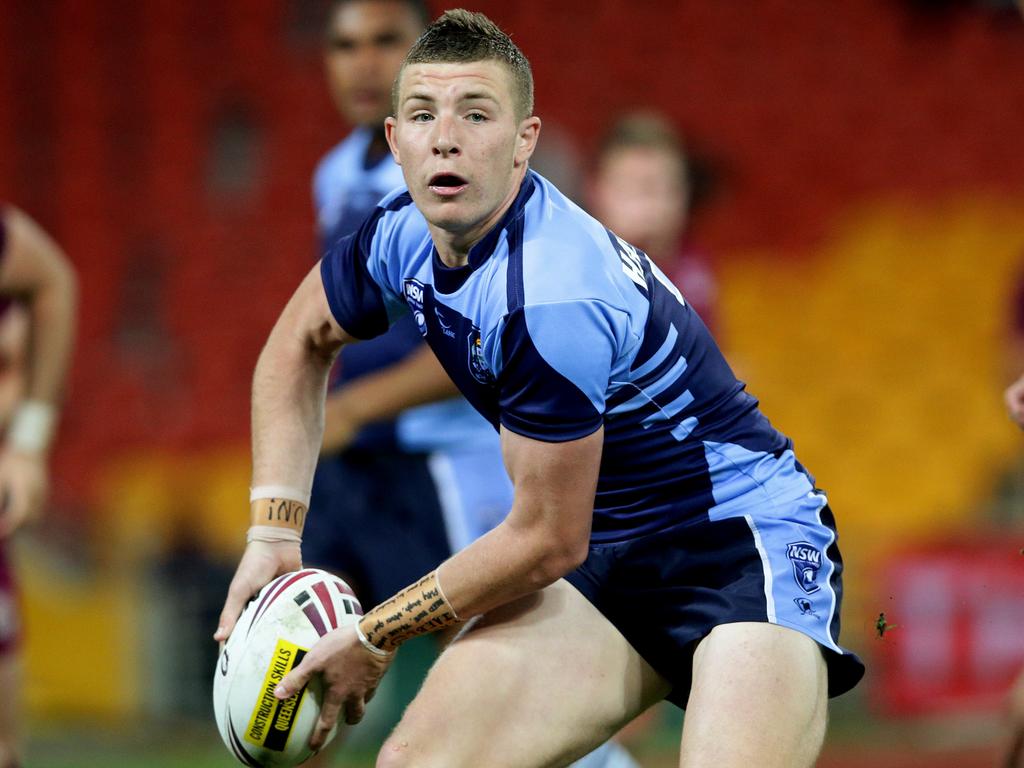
point(53, 313)
point(496, 569)
point(416, 380)
point(289, 387)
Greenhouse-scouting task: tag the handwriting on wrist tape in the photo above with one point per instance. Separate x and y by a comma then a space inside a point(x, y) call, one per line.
point(281, 513)
point(416, 610)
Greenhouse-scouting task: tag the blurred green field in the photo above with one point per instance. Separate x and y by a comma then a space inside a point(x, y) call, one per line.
point(855, 741)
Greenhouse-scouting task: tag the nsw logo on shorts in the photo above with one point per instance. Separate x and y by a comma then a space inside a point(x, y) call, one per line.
point(806, 559)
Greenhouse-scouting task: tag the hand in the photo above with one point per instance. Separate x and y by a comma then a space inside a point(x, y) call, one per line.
point(341, 421)
point(260, 563)
point(350, 672)
point(24, 482)
point(1014, 397)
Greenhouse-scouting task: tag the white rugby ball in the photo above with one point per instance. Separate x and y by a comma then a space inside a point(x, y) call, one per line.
point(274, 632)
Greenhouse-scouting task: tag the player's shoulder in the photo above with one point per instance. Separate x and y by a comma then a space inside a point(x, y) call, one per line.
point(396, 224)
point(567, 255)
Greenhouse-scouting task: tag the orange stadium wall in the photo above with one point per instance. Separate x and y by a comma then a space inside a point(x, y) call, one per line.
point(867, 229)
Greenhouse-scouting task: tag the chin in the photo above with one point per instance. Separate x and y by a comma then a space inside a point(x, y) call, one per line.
point(448, 216)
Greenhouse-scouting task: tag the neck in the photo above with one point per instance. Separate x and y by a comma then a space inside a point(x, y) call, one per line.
point(454, 246)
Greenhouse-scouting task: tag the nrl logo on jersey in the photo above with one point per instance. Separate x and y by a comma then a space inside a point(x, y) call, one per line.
point(478, 367)
point(414, 293)
point(806, 559)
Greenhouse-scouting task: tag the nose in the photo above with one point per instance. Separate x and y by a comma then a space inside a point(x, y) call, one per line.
point(445, 141)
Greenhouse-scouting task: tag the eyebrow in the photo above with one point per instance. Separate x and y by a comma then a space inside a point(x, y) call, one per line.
point(471, 96)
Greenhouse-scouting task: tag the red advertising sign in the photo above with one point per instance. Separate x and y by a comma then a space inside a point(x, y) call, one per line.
point(957, 636)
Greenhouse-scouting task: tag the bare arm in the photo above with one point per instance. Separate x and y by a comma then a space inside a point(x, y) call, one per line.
point(289, 387)
point(287, 421)
point(416, 380)
point(545, 535)
point(36, 271)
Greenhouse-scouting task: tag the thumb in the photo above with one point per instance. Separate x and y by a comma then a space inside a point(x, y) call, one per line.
point(295, 680)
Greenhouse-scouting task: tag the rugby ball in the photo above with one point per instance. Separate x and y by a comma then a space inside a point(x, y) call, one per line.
point(273, 634)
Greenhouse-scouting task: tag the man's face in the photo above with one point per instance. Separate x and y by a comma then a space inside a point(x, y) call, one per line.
point(462, 148)
point(639, 194)
point(366, 43)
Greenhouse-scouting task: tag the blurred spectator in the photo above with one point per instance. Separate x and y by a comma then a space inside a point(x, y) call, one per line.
point(35, 345)
point(641, 190)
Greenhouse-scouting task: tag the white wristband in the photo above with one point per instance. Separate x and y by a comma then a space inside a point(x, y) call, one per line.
point(32, 427)
point(370, 646)
point(278, 492)
point(272, 534)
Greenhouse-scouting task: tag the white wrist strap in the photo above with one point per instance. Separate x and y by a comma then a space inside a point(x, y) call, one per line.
point(278, 492)
point(370, 646)
point(272, 534)
point(32, 427)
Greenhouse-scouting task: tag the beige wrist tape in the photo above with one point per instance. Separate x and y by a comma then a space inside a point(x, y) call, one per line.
point(32, 427)
point(275, 506)
point(416, 610)
point(272, 534)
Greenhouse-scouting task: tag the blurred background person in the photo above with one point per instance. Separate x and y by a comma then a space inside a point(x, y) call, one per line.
point(641, 190)
point(37, 325)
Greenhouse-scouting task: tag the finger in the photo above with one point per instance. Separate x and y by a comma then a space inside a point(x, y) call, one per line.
point(355, 708)
point(238, 594)
point(328, 719)
point(295, 679)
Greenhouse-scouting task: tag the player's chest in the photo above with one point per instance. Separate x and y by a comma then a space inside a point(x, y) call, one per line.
point(453, 333)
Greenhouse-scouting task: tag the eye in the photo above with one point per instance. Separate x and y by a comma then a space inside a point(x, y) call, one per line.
point(421, 117)
point(476, 117)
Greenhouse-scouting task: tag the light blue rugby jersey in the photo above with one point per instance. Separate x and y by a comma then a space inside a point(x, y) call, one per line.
point(555, 327)
point(345, 190)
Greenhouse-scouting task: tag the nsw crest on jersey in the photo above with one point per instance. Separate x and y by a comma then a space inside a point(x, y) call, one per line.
point(478, 367)
point(806, 559)
point(414, 298)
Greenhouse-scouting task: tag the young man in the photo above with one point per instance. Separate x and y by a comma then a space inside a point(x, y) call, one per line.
point(663, 540)
point(382, 420)
point(393, 412)
point(34, 272)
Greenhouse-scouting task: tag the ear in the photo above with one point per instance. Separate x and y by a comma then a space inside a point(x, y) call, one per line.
point(526, 140)
point(390, 131)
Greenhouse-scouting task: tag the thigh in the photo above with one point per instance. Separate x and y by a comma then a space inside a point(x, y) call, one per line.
point(759, 697)
point(539, 682)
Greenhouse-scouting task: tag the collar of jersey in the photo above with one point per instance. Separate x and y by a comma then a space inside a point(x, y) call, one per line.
point(450, 279)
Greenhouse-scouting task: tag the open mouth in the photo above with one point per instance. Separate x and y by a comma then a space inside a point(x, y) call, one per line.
point(447, 183)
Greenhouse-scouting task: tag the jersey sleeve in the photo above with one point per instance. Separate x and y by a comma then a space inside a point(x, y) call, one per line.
point(353, 274)
point(556, 362)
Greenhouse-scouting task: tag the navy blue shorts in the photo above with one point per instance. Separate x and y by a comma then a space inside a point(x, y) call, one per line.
point(667, 590)
point(375, 520)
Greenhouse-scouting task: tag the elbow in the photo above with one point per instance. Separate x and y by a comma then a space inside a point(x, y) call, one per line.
point(559, 558)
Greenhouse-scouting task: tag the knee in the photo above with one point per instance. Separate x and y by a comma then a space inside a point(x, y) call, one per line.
point(395, 753)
